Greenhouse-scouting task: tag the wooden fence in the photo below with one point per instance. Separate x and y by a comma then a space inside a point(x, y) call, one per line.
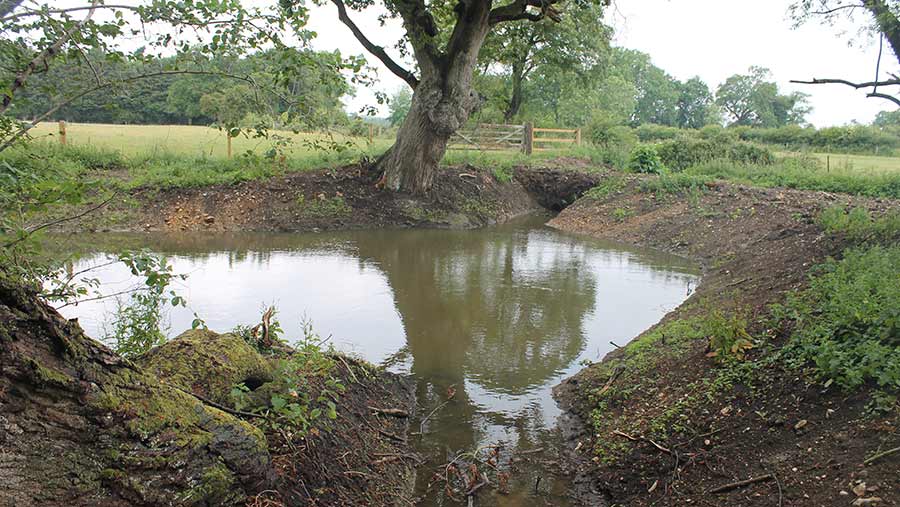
point(482, 136)
point(524, 138)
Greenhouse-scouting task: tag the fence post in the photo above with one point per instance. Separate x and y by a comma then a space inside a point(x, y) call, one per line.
point(528, 141)
point(228, 148)
point(371, 132)
point(62, 132)
point(578, 137)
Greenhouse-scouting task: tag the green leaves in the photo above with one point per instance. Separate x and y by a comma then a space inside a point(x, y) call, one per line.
point(847, 321)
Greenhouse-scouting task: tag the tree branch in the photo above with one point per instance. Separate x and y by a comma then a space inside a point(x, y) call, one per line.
point(377, 51)
point(28, 13)
point(42, 57)
point(838, 8)
point(867, 84)
point(518, 10)
point(34, 229)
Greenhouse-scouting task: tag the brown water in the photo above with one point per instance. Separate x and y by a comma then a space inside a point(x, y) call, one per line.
point(501, 313)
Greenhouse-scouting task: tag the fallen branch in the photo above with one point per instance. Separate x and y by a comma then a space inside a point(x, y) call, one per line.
point(881, 455)
point(392, 436)
point(739, 484)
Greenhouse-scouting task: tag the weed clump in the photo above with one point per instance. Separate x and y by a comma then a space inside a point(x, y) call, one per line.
point(847, 323)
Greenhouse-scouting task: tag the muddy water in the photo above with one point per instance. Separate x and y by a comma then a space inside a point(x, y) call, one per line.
point(502, 313)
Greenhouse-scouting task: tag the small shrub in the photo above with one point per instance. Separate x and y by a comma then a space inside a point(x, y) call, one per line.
point(645, 159)
point(503, 174)
point(727, 334)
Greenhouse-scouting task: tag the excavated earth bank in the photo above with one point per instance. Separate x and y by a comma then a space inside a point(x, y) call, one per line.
point(756, 245)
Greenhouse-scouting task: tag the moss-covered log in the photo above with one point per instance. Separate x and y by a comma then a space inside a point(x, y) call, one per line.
point(79, 425)
point(226, 359)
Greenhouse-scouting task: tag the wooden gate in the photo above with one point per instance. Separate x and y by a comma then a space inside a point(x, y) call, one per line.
point(489, 136)
point(524, 138)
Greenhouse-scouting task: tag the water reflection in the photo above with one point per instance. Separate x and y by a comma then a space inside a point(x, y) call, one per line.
point(502, 314)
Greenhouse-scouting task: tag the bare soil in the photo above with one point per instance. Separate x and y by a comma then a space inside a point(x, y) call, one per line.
point(344, 198)
point(804, 443)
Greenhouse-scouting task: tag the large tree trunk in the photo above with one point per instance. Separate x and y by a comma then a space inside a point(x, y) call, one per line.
point(439, 108)
point(442, 101)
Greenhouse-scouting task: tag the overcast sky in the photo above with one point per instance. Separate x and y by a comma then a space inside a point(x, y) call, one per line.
point(712, 39)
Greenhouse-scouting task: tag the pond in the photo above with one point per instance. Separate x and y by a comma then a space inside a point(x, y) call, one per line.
point(502, 314)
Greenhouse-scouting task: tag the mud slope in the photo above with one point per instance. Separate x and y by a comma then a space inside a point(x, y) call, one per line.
point(670, 430)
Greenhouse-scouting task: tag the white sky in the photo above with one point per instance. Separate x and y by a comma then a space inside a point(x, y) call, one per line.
point(712, 39)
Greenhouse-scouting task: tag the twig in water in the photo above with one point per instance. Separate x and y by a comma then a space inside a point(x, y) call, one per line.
point(427, 417)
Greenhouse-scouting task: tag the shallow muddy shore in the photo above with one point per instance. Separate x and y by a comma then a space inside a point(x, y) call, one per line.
point(756, 245)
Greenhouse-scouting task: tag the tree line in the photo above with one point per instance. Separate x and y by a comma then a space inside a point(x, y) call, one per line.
point(222, 89)
point(618, 86)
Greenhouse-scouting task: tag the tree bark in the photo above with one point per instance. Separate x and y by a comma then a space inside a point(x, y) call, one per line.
point(515, 100)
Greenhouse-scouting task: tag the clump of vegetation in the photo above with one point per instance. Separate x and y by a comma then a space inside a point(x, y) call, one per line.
point(285, 402)
point(847, 323)
point(620, 214)
point(679, 154)
point(727, 334)
point(859, 225)
point(322, 206)
point(503, 174)
point(645, 159)
point(605, 188)
point(674, 183)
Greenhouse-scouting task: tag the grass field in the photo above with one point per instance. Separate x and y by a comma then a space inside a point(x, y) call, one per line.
point(865, 163)
point(167, 156)
point(186, 140)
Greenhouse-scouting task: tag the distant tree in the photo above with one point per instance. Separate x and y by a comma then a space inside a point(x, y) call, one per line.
point(753, 100)
point(881, 18)
point(399, 106)
point(657, 93)
point(887, 119)
point(694, 104)
point(228, 106)
point(183, 98)
point(522, 48)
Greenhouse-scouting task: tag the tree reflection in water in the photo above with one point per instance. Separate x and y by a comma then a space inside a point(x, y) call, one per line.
point(501, 313)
